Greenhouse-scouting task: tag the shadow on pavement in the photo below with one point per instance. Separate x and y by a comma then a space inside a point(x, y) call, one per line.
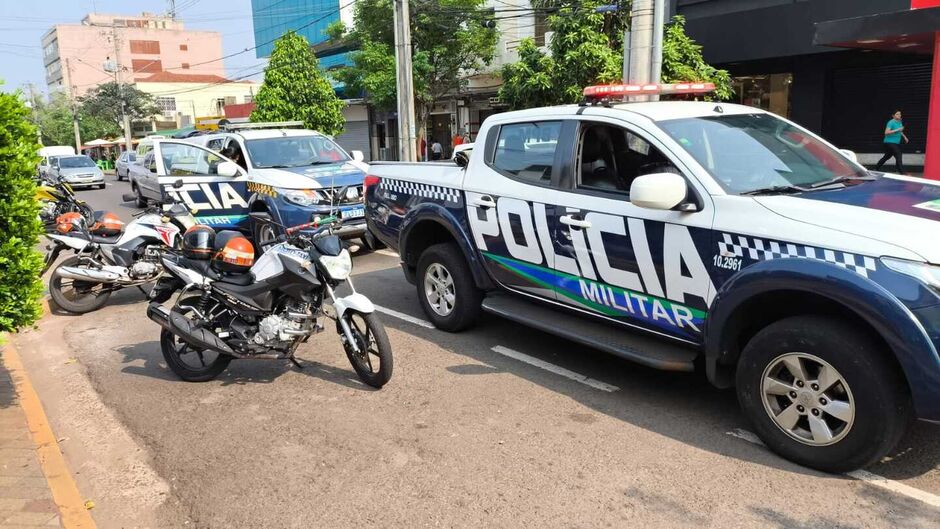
point(700, 414)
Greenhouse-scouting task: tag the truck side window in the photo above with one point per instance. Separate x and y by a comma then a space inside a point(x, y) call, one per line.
point(527, 150)
point(610, 157)
point(215, 144)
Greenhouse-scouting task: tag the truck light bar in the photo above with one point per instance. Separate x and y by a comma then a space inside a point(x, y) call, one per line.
point(619, 90)
point(264, 125)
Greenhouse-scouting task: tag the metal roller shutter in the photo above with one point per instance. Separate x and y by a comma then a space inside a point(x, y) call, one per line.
point(861, 101)
point(356, 138)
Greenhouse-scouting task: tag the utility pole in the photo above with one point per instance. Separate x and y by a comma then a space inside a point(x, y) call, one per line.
point(120, 85)
point(172, 8)
point(405, 85)
point(75, 128)
point(659, 18)
point(641, 43)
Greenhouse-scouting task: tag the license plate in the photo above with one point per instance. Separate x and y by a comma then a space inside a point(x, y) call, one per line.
point(354, 213)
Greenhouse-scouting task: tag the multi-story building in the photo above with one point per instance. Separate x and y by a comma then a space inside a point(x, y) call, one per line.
point(79, 57)
point(184, 97)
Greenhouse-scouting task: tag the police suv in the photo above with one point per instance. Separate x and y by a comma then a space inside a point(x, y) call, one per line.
point(291, 174)
point(672, 233)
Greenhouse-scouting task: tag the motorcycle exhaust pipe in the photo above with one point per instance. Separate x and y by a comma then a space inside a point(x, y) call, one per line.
point(182, 327)
point(85, 274)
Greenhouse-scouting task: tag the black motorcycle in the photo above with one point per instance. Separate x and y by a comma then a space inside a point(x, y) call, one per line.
point(228, 309)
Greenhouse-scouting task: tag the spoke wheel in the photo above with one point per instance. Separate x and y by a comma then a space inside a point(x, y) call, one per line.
point(373, 360)
point(187, 362)
point(77, 296)
point(439, 289)
point(808, 399)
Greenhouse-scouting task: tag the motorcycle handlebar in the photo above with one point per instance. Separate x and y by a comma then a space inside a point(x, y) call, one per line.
point(324, 222)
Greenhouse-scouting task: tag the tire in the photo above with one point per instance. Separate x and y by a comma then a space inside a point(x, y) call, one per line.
point(78, 297)
point(368, 330)
point(449, 271)
point(867, 396)
point(141, 202)
point(102, 186)
point(264, 235)
point(173, 350)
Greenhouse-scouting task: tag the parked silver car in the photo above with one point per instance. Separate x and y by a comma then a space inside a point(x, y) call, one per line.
point(77, 171)
point(121, 164)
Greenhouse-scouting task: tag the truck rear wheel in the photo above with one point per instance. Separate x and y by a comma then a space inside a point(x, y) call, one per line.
point(446, 289)
point(820, 393)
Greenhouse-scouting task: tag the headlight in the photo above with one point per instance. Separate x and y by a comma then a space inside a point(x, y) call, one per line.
point(337, 266)
point(927, 273)
point(301, 197)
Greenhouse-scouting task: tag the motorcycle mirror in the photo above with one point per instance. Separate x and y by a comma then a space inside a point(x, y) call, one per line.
point(178, 184)
point(128, 197)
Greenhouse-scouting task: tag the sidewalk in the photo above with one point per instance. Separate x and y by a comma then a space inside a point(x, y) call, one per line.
point(25, 498)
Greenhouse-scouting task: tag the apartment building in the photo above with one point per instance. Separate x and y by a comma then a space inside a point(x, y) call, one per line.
point(79, 57)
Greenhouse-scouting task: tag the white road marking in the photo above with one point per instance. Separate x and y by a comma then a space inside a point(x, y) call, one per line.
point(558, 370)
point(387, 252)
point(402, 316)
point(861, 475)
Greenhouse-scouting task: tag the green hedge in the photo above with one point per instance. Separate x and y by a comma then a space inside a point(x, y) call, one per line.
point(20, 262)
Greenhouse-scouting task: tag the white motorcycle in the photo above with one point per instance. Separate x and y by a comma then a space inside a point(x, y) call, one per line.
point(106, 263)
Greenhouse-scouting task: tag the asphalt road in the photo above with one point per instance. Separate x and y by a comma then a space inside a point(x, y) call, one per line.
point(463, 435)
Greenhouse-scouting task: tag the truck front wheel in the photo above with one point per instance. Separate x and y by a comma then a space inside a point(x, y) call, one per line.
point(446, 289)
point(819, 392)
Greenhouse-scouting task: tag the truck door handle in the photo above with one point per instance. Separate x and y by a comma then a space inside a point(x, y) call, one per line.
point(485, 202)
point(575, 222)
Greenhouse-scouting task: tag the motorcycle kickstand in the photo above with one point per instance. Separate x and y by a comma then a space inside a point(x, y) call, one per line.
point(295, 362)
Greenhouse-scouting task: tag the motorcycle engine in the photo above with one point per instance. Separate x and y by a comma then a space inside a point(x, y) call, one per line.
point(47, 210)
point(142, 269)
point(285, 326)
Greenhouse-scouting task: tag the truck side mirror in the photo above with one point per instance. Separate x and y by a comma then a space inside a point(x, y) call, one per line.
point(658, 191)
point(849, 154)
point(227, 169)
point(462, 159)
point(357, 155)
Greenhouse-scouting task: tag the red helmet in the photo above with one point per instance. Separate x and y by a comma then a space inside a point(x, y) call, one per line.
point(234, 253)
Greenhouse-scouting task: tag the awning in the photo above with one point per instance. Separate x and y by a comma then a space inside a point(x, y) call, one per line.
point(910, 31)
point(99, 142)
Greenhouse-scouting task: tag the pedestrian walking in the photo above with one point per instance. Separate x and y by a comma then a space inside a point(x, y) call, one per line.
point(894, 133)
point(437, 150)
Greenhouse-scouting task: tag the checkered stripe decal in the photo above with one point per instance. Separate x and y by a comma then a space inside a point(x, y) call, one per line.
point(447, 194)
point(761, 250)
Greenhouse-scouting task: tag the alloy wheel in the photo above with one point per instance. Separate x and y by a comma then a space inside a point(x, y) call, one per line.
point(439, 289)
point(808, 399)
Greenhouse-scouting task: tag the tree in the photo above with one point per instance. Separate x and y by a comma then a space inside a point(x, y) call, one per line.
point(54, 120)
point(294, 88)
point(105, 102)
point(20, 263)
point(451, 39)
point(586, 49)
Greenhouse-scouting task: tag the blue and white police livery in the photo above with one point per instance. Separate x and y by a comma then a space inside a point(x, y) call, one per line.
point(736, 237)
point(293, 175)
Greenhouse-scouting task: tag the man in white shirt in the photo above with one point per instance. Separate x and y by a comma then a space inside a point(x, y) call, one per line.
point(437, 151)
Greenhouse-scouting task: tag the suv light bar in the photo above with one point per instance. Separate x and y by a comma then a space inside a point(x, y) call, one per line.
point(620, 90)
point(265, 125)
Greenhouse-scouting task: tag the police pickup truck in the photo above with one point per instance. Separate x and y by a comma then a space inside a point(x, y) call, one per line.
point(290, 174)
point(683, 232)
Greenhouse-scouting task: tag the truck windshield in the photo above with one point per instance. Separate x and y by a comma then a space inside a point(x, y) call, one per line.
point(69, 162)
point(751, 152)
point(293, 151)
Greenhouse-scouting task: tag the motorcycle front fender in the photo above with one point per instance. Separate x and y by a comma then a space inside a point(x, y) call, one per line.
point(356, 302)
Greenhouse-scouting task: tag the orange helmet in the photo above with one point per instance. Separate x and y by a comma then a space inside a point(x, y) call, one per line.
point(235, 254)
point(65, 221)
point(107, 224)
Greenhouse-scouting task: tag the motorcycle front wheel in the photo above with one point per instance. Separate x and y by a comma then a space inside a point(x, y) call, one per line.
point(75, 295)
point(187, 362)
point(373, 362)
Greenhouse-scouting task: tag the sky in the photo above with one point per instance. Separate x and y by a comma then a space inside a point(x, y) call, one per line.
point(23, 22)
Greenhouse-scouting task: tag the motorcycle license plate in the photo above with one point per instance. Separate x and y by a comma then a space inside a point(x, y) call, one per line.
point(354, 213)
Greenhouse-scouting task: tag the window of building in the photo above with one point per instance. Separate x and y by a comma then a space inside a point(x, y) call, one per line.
point(148, 47)
point(51, 49)
point(541, 26)
point(249, 98)
point(146, 65)
point(527, 150)
point(610, 157)
point(167, 105)
point(185, 66)
point(184, 47)
point(769, 92)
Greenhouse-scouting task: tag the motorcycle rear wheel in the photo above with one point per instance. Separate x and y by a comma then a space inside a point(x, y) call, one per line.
point(174, 350)
point(374, 348)
point(76, 296)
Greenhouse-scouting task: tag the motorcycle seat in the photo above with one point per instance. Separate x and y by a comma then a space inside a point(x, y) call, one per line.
point(100, 239)
point(202, 266)
point(241, 280)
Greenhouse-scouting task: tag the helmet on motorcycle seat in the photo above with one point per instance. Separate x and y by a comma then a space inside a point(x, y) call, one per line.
point(234, 253)
point(199, 242)
point(66, 221)
point(106, 224)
